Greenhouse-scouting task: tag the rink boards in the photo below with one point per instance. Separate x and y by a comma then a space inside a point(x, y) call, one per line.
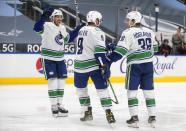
point(26, 68)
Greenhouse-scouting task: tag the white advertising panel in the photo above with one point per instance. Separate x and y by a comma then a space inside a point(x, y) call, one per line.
point(29, 66)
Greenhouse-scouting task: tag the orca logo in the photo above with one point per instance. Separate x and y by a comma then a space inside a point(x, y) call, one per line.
point(39, 66)
point(58, 39)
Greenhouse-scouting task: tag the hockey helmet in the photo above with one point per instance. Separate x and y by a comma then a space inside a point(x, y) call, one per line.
point(56, 12)
point(92, 16)
point(134, 15)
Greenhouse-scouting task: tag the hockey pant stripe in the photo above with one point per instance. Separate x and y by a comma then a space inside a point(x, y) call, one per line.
point(128, 77)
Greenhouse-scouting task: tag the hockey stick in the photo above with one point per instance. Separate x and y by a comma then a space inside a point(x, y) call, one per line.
point(108, 81)
point(77, 12)
point(116, 100)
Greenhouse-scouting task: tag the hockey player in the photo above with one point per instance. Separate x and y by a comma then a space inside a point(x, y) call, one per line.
point(91, 49)
point(138, 44)
point(54, 36)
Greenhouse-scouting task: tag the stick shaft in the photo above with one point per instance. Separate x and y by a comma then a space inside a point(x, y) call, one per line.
point(116, 100)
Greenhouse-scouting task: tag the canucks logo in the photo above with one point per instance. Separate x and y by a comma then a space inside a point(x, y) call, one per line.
point(39, 66)
point(58, 38)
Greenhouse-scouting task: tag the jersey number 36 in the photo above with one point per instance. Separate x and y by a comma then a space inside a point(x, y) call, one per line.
point(145, 43)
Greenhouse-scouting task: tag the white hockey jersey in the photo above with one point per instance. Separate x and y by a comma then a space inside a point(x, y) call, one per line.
point(138, 44)
point(52, 47)
point(91, 40)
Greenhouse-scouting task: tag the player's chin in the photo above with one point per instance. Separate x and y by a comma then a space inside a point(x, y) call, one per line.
point(58, 22)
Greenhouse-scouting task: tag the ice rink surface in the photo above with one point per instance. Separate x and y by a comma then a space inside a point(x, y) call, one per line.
point(27, 108)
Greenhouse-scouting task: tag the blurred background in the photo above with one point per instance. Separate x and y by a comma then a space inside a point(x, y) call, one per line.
point(18, 17)
point(20, 45)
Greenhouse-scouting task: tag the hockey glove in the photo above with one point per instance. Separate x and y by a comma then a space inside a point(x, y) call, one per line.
point(79, 27)
point(110, 47)
point(105, 70)
point(74, 33)
point(47, 13)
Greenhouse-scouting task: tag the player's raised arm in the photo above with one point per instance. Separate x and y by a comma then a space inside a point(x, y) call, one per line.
point(74, 33)
point(39, 25)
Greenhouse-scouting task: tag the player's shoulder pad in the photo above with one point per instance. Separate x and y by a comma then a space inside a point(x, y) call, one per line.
point(98, 31)
point(126, 31)
point(84, 28)
point(150, 30)
point(48, 23)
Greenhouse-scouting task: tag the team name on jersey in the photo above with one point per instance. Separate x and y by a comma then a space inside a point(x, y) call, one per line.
point(142, 34)
point(83, 33)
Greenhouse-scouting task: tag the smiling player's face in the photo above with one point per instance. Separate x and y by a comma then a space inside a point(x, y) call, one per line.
point(57, 20)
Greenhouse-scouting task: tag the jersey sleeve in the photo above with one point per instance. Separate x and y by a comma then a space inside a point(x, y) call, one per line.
point(121, 48)
point(46, 29)
point(39, 26)
point(99, 45)
point(123, 44)
point(73, 34)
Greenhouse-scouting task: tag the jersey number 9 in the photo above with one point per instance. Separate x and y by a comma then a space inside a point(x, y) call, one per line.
point(80, 46)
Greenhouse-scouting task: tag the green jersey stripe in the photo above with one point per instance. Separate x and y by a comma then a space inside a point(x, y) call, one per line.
point(99, 49)
point(120, 50)
point(155, 48)
point(66, 39)
point(137, 56)
point(85, 64)
point(41, 32)
point(52, 53)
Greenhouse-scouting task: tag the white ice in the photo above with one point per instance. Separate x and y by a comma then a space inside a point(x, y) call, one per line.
point(27, 108)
